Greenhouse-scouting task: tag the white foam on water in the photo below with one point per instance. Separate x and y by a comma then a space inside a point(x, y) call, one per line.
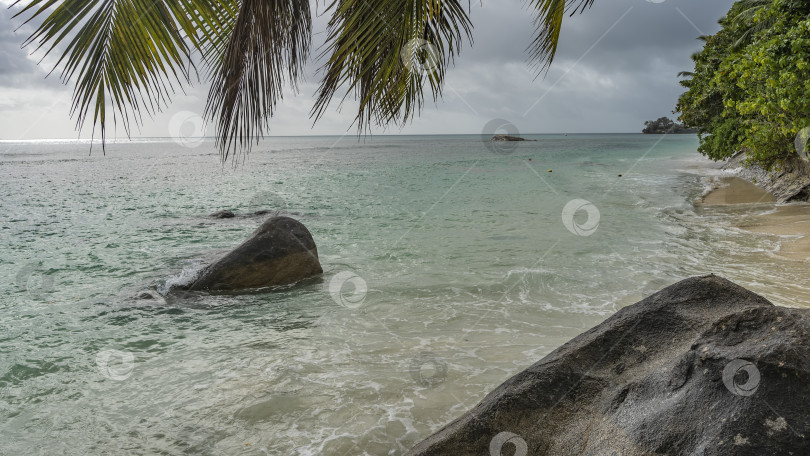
point(190, 272)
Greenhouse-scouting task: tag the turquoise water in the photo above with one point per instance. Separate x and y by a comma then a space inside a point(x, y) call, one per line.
point(448, 267)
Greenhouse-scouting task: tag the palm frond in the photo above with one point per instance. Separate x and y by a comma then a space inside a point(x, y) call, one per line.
point(383, 52)
point(549, 25)
point(268, 47)
point(747, 9)
point(745, 18)
point(130, 54)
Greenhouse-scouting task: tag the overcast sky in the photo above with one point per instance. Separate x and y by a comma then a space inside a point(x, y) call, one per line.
point(616, 67)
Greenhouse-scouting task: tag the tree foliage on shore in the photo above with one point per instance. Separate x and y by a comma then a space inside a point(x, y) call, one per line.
point(750, 89)
point(128, 57)
point(664, 125)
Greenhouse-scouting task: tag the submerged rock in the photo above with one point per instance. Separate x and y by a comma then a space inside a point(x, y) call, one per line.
point(222, 214)
point(703, 367)
point(281, 251)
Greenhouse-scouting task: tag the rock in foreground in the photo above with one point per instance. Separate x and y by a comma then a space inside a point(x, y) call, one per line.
point(704, 367)
point(280, 252)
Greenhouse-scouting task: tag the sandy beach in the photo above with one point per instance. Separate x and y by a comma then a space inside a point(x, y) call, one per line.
point(761, 214)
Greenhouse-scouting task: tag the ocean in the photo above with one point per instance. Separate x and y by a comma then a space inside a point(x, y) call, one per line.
point(450, 264)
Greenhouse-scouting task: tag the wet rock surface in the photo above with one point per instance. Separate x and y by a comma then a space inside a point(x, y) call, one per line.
point(703, 367)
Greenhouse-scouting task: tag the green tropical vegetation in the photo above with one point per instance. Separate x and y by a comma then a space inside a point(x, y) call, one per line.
point(750, 88)
point(128, 57)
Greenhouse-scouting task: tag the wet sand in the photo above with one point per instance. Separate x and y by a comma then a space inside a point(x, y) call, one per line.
point(791, 223)
point(733, 190)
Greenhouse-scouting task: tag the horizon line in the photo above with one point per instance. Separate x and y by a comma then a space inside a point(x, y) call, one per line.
point(315, 136)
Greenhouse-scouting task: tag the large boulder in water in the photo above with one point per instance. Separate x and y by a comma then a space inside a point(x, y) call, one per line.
point(281, 251)
point(703, 367)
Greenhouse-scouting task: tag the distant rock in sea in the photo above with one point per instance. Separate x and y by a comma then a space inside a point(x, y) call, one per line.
point(703, 367)
point(280, 252)
point(226, 214)
point(509, 138)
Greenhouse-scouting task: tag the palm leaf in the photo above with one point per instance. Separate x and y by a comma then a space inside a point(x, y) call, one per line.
point(269, 45)
point(549, 25)
point(130, 54)
point(383, 52)
point(127, 57)
point(746, 11)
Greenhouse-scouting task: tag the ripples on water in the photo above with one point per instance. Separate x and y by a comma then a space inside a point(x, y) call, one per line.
point(471, 276)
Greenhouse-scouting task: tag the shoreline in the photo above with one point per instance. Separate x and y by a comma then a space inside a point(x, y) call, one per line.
point(761, 213)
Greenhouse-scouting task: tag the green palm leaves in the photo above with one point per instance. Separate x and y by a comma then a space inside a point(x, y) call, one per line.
point(125, 54)
point(549, 26)
point(367, 42)
point(269, 44)
point(130, 56)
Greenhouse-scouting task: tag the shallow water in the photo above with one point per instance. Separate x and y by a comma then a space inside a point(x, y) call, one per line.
point(469, 263)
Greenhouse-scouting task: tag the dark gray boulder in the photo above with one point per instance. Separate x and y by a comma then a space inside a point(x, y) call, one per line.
point(703, 367)
point(280, 252)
